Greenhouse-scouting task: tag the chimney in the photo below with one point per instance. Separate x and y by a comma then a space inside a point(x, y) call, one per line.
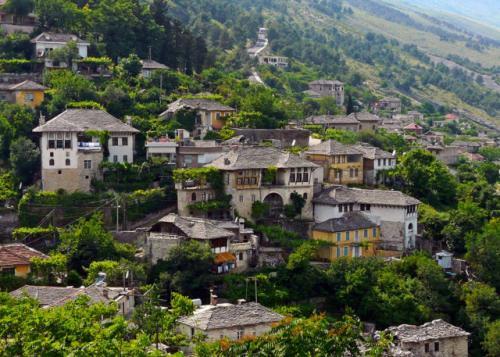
point(241, 301)
point(42, 119)
point(128, 119)
point(213, 298)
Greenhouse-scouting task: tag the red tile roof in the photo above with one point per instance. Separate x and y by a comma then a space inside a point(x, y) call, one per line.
point(17, 254)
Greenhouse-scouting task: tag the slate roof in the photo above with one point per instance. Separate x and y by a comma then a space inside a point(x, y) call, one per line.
point(197, 228)
point(373, 153)
point(259, 157)
point(433, 330)
point(391, 99)
point(151, 64)
point(341, 194)
point(25, 85)
point(365, 116)
point(331, 119)
point(196, 104)
point(17, 254)
point(325, 81)
point(230, 316)
point(348, 222)
point(81, 120)
point(286, 136)
point(332, 147)
point(465, 143)
point(413, 126)
point(58, 37)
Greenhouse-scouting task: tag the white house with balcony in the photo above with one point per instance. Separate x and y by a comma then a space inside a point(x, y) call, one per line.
point(47, 42)
point(162, 147)
point(395, 212)
point(71, 152)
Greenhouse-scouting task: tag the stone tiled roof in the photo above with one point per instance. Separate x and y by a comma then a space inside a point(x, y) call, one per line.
point(26, 85)
point(391, 99)
point(197, 228)
point(81, 120)
point(373, 153)
point(433, 330)
point(196, 104)
point(349, 221)
point(413, 126)
point(326, 81)
point(58, 37)
point(332, 147)
point(342, 194)
point(17, 254)
point(50, 296)
point(465, 143)
point(230, 316)
point(365, 116)
point(150, 64)
point(331, 119)
point(259, 157)
point(286, 136)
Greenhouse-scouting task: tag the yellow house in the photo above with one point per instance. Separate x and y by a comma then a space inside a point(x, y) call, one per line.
point(352, 235)
point(15, 259)
point(26, 93)
point(342, 164)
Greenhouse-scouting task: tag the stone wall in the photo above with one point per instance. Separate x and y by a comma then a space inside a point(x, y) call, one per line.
point(8, 222)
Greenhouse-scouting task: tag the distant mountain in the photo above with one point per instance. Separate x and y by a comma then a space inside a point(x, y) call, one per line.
point(479, 10)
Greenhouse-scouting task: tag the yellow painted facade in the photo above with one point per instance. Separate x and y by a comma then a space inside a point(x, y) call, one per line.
point(339, 169)
point(353, 243)
point(30, 98)
point(218, 118)
point(22, 271)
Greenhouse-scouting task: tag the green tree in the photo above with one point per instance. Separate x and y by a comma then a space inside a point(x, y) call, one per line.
point(49, 271)
point(490, 343)
point(59, 15)
point(67, 54)
point(131, 66)
point(116, 272)
point(342, 136)
point(18, 7)
point(24, 159)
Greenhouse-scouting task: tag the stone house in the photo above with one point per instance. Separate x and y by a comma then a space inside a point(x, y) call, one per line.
point(234, 322)
point(413, 129)
point(375, 162)
point(210, 114)
point(71, 151)
point(26, 93)
point(367, 121)
point(235, 246)
point(280, 138)
point(46, 42)
point(15, 259)
point(53, 296)
point(436, 338)
point(272, 60)
point(258, 173)
point(415, 115)
point(395, 212)
point(342, 164)
point(10, 23)
point(389, 104)
point(197, 153)
point(339, 122)
point(327, 88)
point(150, 66)
point(162, 147)
point(352, 235)
point(469, 146)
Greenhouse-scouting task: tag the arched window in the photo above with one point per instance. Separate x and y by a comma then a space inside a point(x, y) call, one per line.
point(193, 196)
point(410, 227)
point(68, 162)
point(305, 195)
point(51, 162)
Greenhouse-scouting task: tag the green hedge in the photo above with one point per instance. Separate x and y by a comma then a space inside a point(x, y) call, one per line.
point(143, 202)
point(15, 65)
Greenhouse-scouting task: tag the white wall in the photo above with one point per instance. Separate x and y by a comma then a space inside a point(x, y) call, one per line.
point(59, 155)
point(43, 46)
point(120, 150)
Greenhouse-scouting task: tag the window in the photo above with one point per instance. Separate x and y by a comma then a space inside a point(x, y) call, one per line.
point(356, 236)
point(59, 144)
point(125, 141)
point(253, 198)
point(115, 158)
point(338, 252)
point(427, 347)
point(356, 172)
point(384, 162)
point(52, 144)
point(436, 346)
point(192, 331)
point(59, 172)
point(193, 196)
point(351, 207)
point(86, 177)
point(51, 154)
point(339, 236)
point(188, 159)
point(299, 175)
point(125, 158)
point(87, 164)
point(240, 333)
point(203, 196)
point(346, 251)
point(365, 233)
point(67, 144)
point(351, 172)
point(29, 97)
point(68, 162)
point(51, 162)
point(240, 256)
point(304, 196)
point(114, 141)
point(379, 161)
point(8, 271)
point(226, 179)
point(374, 232)
point(305, 176)
point(347, 234)
point(340, 208)
point(410, 227)
point(292, 175)
point(241, 198)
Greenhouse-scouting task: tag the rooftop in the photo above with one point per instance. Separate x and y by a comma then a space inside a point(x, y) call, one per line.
point(373, 153)
point(331, 119)
point(364, 116)
point(332, 147)
point(17, 254)
point(326, 82)
point(151, 64)
point(58, 37)
point(196, 104)
point(197, 228)
point(413, 126)
point(342, 194)
point(433, 330)
point(349, 221)
point(222, 316)
point(259, 157)
point(81, 120)
point(391, 99)
point(26, 85)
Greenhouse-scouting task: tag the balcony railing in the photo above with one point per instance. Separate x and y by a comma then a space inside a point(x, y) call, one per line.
point(90, 146)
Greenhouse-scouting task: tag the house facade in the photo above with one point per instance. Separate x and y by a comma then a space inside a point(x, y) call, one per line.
point(197, 153)
point(235, 247)
point(210, 114)
point(15, 259)
point(26, 93)
point(436, 338)
point(390, 104)
point(367, 121)
point(162, 147)
point(71, 151)
point(342, 164)
point(327, 88)
point(150, 66)
point(376, 162)
point(258, 173)
point(339, 122)
point(395, 212)
point(352, 235)
point(46, 42)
